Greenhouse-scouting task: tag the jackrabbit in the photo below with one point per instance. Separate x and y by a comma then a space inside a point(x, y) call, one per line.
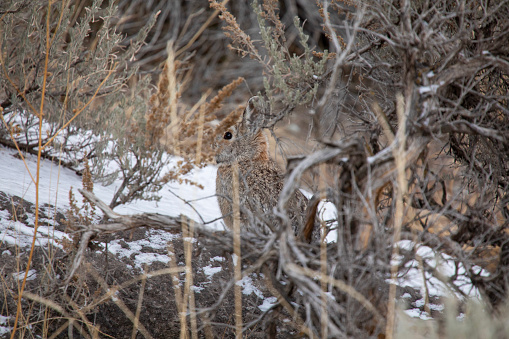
point(260, 178)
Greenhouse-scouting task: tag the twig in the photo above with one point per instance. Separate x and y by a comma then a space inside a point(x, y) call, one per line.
point(237, 258)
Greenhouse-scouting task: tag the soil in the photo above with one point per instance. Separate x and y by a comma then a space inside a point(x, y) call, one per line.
point(159, 313)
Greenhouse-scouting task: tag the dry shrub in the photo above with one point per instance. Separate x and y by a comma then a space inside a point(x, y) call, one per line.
point(408, 82)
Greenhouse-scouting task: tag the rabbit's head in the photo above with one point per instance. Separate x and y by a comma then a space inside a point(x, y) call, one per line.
point(244, 141)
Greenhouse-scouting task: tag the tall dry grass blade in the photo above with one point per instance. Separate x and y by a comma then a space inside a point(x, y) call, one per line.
point(172, 88)
point(402, 183)
point(37, 176)
point(185, 292)
point(201, 123)
point(237, 265)
point(176, 285)
point(140, 301)
point(324, 317)
point(189, 252)
point(188, 291)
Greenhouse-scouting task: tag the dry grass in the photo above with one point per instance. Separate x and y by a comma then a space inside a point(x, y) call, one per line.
point(381, 175)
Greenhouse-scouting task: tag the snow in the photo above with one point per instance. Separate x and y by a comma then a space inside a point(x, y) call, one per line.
point(154, 239)
point(235, 259)
point(417, 313)
point(4, 329)
point(267, 303)
point(443, 263)
point(327, 211)
point(248, 287)
point(55, 183)
point(430, 89)
point(21, 235)
point(210, 270)
point(197, 289)
point(32, 274)
point(427, 89)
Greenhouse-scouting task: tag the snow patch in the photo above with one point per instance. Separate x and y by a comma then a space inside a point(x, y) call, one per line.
point(235, 258)
point(443, 263)
point(210, 270)
point(18, 234)
point(197, 289)
point(56, 182)
point(430, 89)
point(248, 287)
point(32, 274)
point(4, 329)
point(155, 240)
point(417, 313)
point(267, 304)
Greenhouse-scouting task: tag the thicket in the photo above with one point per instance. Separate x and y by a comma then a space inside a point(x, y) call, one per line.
point(407, 108)
point(408, 83)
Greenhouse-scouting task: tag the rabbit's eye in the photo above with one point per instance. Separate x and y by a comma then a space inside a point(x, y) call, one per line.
point(228, 135)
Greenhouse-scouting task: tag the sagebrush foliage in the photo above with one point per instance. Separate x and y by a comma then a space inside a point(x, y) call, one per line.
point(89, 112)
point(289, 78)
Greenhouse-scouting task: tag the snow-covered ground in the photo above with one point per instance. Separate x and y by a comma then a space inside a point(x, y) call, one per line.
point(55, 183)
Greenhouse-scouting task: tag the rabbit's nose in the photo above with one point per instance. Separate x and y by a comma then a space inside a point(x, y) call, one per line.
point(218, 158)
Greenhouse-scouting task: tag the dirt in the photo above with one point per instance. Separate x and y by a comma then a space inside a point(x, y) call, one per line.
point(101, 271)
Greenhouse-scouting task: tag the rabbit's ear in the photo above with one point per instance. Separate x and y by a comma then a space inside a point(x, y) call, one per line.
point(250, 118)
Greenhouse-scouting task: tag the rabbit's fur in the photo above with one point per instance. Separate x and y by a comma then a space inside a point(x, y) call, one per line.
point(260, 178)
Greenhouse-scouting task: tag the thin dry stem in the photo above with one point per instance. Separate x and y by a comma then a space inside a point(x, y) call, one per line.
point(398, 217)
point(323, 257)
point(187, 285)
point(37, 176)
point(237, 260)
point(188, 291)
point(176, 286)
point(138, 307)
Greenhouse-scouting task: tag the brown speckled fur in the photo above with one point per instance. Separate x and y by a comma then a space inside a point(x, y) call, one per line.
point(260, 179)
